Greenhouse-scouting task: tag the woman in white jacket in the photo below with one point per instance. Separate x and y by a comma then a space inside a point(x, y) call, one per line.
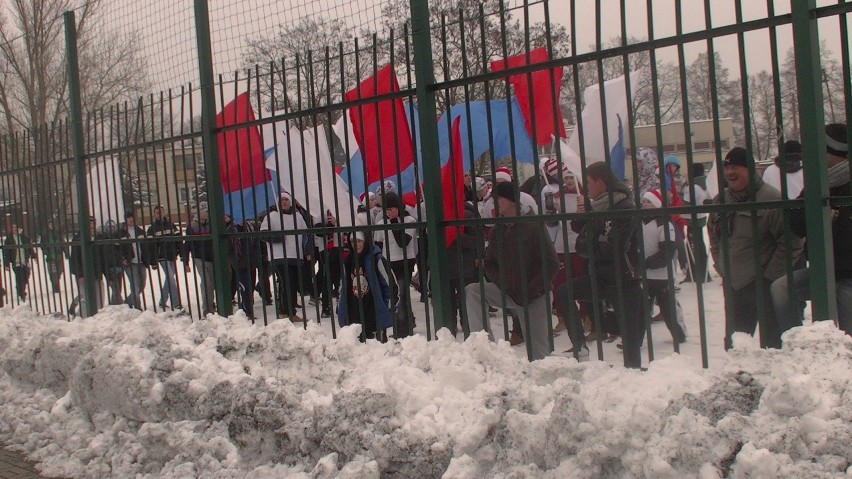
point(400, 248)
point(288, 253)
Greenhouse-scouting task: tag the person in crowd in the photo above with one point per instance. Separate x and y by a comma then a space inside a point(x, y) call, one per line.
point(400, 248)
point(534, 185)
point(264, 272)
point(366, 289)
point(243, 258)
point(837, 152)
point(613, 245)
point(421, 280)
point(288, 253)
point(484, 202)
point(695, 225)
point(564, 239)
point(53, 248)
point(468, 186)
point(462, 257)
point(328, 274)
point(135, 260)
point(366, 214)
point(676, 183)
point(75, 266)
point(165, 251)
point(199, 246)
point(520, 264)
point(18, 251)
point(788, 164)
point(747, 287)
point(659, 254)
point(528, 206)
point(112, 255)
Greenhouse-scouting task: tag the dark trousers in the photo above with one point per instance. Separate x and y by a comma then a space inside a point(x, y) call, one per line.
point(245, 290)
point(741, 309)
point(328, 276)
point(698, 259)
point(404, 316)
point(262, 287)
point(22, 278)
point(288, 277)
point(630, 320)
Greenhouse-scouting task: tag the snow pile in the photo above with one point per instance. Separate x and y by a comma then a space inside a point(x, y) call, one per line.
point(137, 394)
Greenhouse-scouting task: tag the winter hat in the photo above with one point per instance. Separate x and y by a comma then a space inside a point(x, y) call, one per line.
point(672, 159)
point(835, 139)
point(285, 195)
point(365, 195)
point(552, 167)
point(505, 190)
point(480, 184)
point(390, 187)
point(359, 235)
point(791, 156)
point(654, 197)
point(127, 214)
point(391, 200)
point(503, 174)
point(737, 156)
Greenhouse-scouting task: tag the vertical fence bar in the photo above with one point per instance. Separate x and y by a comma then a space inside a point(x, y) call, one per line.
point(811, 114)
point(76, 113)
point(211, 156)
point(425, 77)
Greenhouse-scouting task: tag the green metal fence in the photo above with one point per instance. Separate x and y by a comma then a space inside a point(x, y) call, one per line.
point(177, 149)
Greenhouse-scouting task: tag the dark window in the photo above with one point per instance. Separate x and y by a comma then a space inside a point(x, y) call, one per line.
point(702, 145)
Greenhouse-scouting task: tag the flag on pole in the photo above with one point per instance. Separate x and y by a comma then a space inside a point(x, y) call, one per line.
point(595, 121)
point(246, 183)
point(452, 186)
point(380, 127)
point(537, 94)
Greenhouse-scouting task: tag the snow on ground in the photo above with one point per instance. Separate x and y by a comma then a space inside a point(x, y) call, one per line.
point(130, 394)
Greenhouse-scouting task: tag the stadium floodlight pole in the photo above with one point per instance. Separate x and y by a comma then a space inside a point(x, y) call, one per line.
point(73, 70)
point(811, 117)
point(215, 203)
point(425, 78)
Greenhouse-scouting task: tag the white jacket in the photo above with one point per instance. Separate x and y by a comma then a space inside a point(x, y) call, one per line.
point(286, 246)
point(393, 251)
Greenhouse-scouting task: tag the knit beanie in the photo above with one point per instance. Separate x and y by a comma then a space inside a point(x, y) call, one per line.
point(505, 190)
point(737, 156)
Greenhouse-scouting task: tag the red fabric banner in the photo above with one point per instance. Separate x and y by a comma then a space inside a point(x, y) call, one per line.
point(452, 185)
point(537, 110)
point(381, 128)
point(241, 160)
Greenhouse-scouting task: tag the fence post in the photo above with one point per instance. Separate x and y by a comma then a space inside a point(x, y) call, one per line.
point(811, 119)
point(76, 114)
point(425, 78)
point(215, 202)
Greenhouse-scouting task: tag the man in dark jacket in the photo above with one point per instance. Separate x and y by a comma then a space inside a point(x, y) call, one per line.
point(520, 264)
point(165, 253)
point(112, 255)
point(75, 265)
point(461, 258)
point(54, 255)
point(17, 253)
point(612, 244)
point(134, 260)
point(734, 246)
point(841, 232)
point(199, 245)
point(244, 257)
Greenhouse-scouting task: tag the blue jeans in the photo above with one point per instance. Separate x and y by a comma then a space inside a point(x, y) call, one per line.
point(787, 307)
point(136, 284)
point(169, 288)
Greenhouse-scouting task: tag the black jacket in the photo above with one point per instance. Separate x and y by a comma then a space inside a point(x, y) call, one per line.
point(468, 246)
point(10, 249)
point(841, 231)
point(199, 248)
point(75, 263)
point(164, 250)
point(615, 242)
point(128, 252)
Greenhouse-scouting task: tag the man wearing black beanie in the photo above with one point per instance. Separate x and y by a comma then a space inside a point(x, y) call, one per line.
point(837, 152)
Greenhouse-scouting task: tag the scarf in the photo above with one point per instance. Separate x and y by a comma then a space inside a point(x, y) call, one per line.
point(602, 203)
point(838, 174)
point(742, 196)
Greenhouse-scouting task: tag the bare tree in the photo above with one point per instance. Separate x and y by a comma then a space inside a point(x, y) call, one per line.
point(700, 89)
point(763, 120)
point(34, 93)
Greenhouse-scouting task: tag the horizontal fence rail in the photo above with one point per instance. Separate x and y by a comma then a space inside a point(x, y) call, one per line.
point(417, 167)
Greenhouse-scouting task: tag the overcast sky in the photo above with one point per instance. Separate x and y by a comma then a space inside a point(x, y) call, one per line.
point(167, 28)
